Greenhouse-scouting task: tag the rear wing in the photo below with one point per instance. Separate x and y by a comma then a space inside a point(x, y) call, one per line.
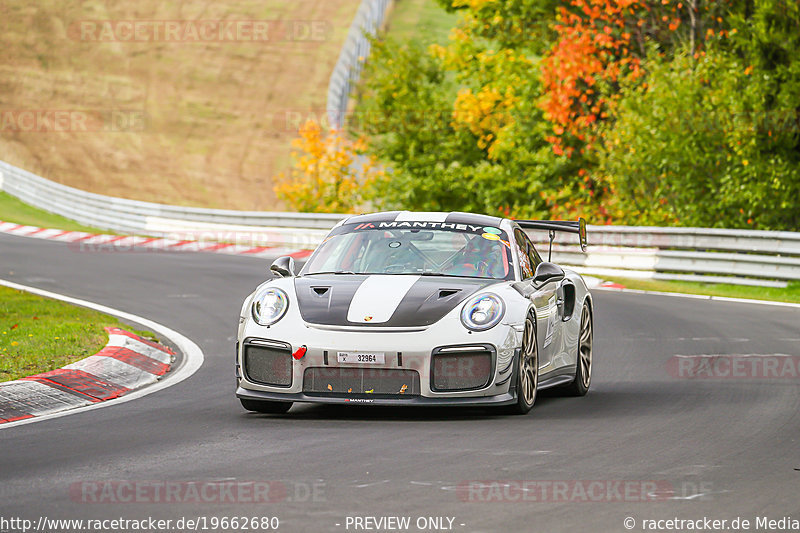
point(578, 227)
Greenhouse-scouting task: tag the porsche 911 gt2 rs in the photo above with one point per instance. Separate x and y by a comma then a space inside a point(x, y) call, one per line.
point(421, 309)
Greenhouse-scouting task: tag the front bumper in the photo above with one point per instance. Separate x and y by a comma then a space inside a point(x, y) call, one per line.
point(404, 351)
point(506, 398)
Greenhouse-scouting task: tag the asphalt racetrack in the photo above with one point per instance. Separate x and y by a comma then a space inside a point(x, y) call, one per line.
point(660, 446)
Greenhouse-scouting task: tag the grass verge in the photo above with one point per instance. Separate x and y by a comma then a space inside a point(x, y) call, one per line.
point(789, 294)
point(38, 334)
point(420, 20)
point(14, 210)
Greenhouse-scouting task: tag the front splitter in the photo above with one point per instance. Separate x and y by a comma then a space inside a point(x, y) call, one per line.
point(411, 401)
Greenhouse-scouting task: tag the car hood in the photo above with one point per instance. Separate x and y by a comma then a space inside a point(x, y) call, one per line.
point(381, 300)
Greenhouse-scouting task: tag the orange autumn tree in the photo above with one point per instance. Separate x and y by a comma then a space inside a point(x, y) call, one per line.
point(590, 55)
point(329, 173)
point(600, 45)
point(593, 48)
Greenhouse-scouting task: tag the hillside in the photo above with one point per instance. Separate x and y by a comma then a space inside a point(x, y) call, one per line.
point(188, 118)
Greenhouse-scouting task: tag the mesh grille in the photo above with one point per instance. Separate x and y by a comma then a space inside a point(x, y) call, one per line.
point(268, 365)
point(358, 381)
point(461, 371)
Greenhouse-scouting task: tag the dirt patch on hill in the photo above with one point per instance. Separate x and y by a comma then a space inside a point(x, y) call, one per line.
point(179, 118)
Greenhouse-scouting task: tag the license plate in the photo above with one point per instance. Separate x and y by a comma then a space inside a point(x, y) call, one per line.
point(370, 358)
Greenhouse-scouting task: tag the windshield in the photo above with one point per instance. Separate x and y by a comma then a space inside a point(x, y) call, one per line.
point(421, 248)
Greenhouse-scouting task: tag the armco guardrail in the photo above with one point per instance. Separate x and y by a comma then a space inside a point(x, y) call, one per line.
point(254, 228)
point(720, 255)
point(347, 71)
point(742, 257)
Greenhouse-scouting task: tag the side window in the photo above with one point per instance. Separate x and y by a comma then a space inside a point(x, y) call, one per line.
point(533, 255)
point(523, 244)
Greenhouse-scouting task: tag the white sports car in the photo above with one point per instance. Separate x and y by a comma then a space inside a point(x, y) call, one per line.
point(421, 309)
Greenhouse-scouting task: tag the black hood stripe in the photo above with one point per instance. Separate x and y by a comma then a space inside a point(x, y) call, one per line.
point(426, 302)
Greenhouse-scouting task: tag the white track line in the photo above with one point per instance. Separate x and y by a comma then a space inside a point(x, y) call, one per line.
point(191, 362)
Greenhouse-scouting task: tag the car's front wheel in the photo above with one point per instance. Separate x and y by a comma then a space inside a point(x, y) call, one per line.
point(527, 370)
point(261, 406)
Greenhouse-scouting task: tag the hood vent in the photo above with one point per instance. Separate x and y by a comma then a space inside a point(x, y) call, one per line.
point(320, 291)
point(445, 293)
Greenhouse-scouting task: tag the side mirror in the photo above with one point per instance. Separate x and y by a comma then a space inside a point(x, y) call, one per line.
point(283, 267)
point(547, 272)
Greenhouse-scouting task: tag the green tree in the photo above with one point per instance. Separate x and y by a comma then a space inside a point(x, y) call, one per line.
point(701, 145)
point(459, 126)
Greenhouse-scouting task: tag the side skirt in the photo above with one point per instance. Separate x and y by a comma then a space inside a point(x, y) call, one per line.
point(562, 376)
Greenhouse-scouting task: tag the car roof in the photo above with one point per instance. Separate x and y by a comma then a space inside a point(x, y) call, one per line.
point(454, 217)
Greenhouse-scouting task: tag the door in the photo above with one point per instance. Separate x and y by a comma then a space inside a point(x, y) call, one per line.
point(545, 301)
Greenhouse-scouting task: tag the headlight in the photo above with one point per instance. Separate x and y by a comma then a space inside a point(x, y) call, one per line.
point(482, 312)
point(269, 306)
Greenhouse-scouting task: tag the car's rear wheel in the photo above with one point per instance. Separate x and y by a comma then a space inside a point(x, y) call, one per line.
point(583, 371)
point(527, 370)
point(261, 406)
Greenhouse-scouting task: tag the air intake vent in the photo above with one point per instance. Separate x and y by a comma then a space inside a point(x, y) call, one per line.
point(361, 382)
point(268, 364)
point(461, 368)
point(320, 291)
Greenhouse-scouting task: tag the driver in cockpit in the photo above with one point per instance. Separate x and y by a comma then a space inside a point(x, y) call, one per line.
point(480, 257)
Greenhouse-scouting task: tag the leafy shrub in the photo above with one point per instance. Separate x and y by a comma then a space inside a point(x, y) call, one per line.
point(700, 145)
point(329, 173)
